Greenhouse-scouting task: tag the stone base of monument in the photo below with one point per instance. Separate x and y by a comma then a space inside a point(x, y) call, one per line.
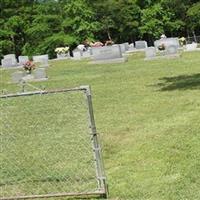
point(163, 56)
point(108, 61)
point(28, 77)
point(39, 74)
point(170, 52)
point(189, 50)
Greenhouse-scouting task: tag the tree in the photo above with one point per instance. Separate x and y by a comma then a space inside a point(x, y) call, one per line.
point(193, 15)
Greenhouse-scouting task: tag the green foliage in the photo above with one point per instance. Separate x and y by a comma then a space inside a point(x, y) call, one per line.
point(193, 14)
point(54, 41)
point(27, 25)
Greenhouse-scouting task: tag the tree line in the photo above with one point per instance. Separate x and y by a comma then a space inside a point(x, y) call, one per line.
point(29, 27)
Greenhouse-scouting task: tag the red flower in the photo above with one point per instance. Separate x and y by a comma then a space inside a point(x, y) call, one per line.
point(29, 66)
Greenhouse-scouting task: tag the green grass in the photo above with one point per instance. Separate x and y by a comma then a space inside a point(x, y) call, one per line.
point(147, 113)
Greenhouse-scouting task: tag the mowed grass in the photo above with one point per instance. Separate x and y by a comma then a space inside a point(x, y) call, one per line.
point(147, 113)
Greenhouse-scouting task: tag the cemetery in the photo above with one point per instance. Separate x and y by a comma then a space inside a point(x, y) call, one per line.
point(100, 100)
point(114, 82)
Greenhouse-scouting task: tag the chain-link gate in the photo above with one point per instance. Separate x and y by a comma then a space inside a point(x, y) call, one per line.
point(49, 145)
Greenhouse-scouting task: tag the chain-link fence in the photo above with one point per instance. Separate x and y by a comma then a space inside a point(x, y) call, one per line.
point(49, 145)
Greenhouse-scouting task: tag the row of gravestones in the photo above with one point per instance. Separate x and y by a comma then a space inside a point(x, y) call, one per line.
point(38, 74)
point(10, 61)
point(107, 54)
point(171, 46)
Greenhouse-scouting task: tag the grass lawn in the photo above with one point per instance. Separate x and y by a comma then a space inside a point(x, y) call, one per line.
point(147, 113)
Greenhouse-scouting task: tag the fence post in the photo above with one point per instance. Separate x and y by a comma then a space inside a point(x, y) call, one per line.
point(100, 173)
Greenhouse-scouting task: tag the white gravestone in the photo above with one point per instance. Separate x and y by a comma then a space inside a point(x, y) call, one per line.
point(167, 42)
point(23, 59)
point(141, 44)
point(131, 48)
point(77, 54)
point(150, 52)
point(87, 53)
point(6, 62)
point(12, 57)
point(42, 59)
point(40, 73)
point(191, 47)
point(123, 48)
point(172, 50)
point(126, 46)
point(63, 55)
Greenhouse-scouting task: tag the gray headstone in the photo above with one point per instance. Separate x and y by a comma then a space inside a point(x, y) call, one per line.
point(172, 50)
point(87, 54)
point(40, 73)
point(63, 55)
point(123, 48)
point(106, 52)
point(126, 46)
point(77, 54)
point(141, 44)
point(17, 76)
point(150, 52)
point(43, 59)
point(131, 47)
point(167, 42)
point(7, 62)
point(12, 57)
point(191, 47)
point(23, 59)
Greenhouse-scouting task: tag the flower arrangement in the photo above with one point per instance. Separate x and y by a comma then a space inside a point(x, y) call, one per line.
point(62, 50)
point(161, 47)
point(29, 66)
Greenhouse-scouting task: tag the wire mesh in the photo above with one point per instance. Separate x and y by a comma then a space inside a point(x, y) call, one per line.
point(46, 145)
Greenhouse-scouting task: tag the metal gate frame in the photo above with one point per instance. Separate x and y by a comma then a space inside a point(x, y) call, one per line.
point(102, 191)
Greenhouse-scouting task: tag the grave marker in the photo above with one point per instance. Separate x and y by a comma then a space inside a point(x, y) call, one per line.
point(23, 59)
point(40, 73)
point(150, 52)
point(108, 54)
point(141, 44)
point(43, 59)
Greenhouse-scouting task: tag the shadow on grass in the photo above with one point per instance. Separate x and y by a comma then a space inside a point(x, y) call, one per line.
point(183, 82)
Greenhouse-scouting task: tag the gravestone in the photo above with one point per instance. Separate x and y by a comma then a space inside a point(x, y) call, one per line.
point(13, 58)
point(107, 54)
point(126, 46)
point(87, 53)
point(150, 52)
point(141, 44)
point(172, 50)
point(17, 76)
point(167, 42)
point(122, 47)
point(42, 59)
point(23, 59)
point(63, 55)
point(40, 73)
point(77, 54)
point(191, 47)
point(7, 62)
point(131, 48)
